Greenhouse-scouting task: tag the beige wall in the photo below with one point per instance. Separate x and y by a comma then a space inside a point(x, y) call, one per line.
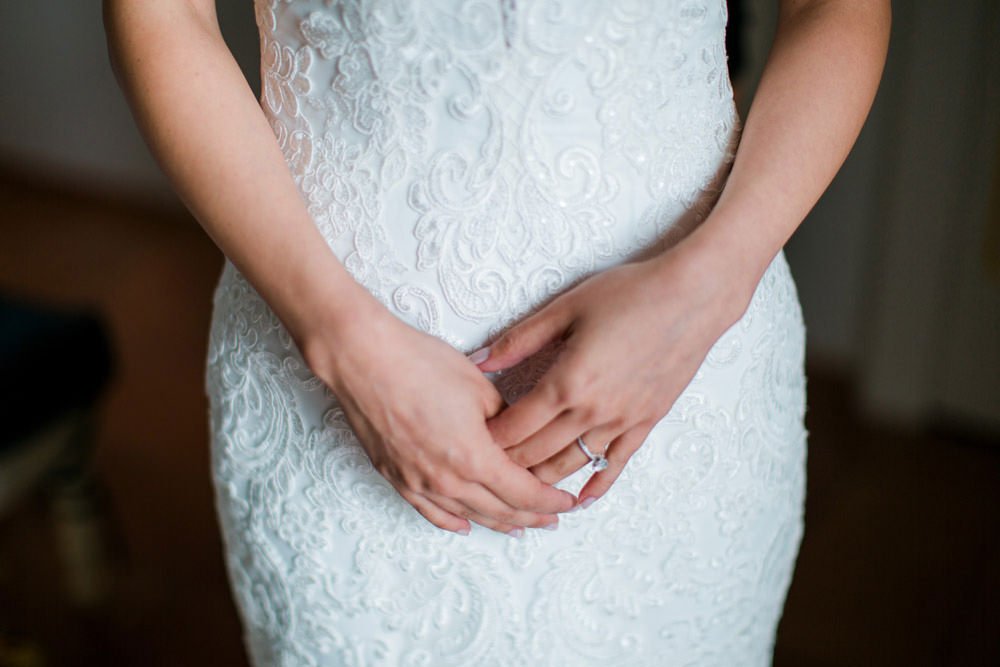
point(62, 114)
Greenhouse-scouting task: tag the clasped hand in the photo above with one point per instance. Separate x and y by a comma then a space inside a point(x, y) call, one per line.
point(437, 429)
point(634, 337)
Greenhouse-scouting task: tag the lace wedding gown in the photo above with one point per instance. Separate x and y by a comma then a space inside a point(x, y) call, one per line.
point(467, 160)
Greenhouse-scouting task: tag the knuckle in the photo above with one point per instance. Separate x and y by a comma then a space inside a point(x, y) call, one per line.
point(573, 389)
point(473, 468)
point(437, 486)
point(518, 456)
point(490, 476)
point(462, 511)
point(414, 481)
point(588, 413)
point(506, 342)
point(443, 486)
point(458, 459)
point(492, 400)
point(618, 422)
point(585, 378)
point(505, 515)
point(564, 393)
point(511, 340)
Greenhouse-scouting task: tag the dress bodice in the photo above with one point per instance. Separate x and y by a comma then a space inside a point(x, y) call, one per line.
point(466, 159)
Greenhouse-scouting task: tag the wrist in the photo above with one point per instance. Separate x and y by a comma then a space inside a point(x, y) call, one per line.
point(724, 265)
point(344, 327)
point(328, 314)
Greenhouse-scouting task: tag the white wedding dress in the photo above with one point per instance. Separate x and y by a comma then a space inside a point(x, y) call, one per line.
point(467, 160)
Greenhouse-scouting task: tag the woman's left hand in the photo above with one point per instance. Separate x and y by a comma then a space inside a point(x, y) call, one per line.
point(634, 337)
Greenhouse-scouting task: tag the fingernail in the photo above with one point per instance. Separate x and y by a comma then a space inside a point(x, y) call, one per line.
point(552, 526)
point(480, 355)
point(464, 531)
point(587, 502)
point(516, 533)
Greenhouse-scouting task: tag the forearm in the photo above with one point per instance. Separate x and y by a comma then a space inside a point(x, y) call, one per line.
point(212, 139)
point(816, 90)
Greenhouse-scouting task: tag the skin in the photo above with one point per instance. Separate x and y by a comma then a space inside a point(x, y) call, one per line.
point(635, 335)
point(211, 137)
point(459, 458)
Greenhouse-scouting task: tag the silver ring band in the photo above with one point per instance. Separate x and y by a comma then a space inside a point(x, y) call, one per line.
point(598, 462)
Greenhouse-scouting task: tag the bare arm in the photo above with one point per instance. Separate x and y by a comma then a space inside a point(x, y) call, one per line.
point(209, 134)
point(815, 93)
point(212, 139)
point(635, 335)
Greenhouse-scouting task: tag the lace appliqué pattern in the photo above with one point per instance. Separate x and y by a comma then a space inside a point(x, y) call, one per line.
point(466, 160)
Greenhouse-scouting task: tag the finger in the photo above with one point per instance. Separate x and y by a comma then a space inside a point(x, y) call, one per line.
point(434, 513)
point(487, 503)
point(480, 505)
point(571, 458)
point(493, 402)
point(523, 339)
point(519, 488)
point(527, 415)
point(566, 462)
point(455, 507)
point(619, 452)
point(555, 435)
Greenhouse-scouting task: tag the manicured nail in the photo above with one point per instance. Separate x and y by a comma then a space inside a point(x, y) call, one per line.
point(480, 355)
point(552, 526)
point(587, 502)
point(516, 533)
point(464, 531)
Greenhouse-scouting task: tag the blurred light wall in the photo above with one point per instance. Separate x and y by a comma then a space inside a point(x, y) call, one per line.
point(63, 117)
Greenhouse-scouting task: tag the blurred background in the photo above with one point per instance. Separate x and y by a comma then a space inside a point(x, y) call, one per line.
point(109, 551)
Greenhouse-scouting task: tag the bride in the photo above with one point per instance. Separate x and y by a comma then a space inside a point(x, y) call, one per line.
point(496, 266)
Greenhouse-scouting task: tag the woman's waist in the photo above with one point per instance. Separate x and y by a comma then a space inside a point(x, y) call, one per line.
point(247, 332)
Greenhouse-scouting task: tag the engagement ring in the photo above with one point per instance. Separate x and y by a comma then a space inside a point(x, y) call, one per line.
point(598, 462)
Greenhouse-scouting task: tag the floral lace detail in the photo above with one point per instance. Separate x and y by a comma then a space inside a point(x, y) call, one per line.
point(466, 160)
point(508, 129)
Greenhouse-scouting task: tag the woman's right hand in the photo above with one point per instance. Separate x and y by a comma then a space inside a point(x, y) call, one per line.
point(419, 408)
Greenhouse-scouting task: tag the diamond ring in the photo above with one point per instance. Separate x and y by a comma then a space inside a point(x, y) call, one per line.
point(598, 462)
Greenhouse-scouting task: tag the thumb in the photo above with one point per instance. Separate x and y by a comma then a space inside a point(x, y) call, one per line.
point(494, 402)
point(522, 340)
